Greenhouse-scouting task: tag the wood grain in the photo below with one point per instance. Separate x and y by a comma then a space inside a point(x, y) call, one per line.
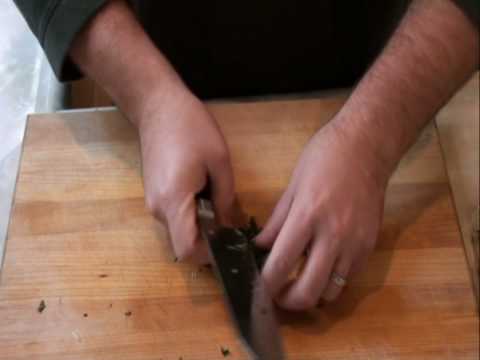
point(458, 128)
point(81, 239)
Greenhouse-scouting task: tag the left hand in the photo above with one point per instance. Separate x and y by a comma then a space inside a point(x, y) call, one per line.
point(332, 210)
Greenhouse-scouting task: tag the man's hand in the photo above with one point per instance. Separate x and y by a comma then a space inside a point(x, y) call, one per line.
point(182, 147)
point(334, 203)
point(332, 211)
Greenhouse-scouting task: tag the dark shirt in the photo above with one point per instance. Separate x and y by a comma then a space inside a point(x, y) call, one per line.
point(252, 47)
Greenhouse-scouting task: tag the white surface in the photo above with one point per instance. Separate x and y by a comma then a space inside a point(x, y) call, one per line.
point(23, 71)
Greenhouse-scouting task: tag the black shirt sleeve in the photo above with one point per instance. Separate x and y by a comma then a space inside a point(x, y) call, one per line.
point(472, 9)
point(55, 24)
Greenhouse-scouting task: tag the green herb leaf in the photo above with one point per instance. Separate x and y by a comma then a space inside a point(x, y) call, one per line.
point(42, 306)
point(225, 351)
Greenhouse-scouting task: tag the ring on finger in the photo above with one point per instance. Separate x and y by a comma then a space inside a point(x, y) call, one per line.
point(338, 280)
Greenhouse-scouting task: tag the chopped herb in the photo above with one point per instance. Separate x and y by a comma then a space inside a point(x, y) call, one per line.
point(41, 306)
point(225, 351)
point(250, 232)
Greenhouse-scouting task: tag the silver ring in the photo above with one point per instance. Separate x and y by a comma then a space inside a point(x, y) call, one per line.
point(338, 280)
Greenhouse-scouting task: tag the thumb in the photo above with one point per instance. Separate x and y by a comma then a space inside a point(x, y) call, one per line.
point(185, 237)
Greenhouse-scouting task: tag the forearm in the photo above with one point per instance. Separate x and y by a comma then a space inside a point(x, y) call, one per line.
point(431, 54)
point(114, 50)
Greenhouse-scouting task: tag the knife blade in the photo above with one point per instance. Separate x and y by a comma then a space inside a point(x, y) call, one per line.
point(236, 267)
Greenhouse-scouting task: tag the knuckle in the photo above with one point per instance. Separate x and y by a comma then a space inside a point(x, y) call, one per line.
point(281, 265)
point(153, 207)
point(359, 260)
point(339, 227)
point(331, 297)
point(221, 156)
point(275, 274)
point(359, 265)
point(151, 199)
point(188, 249)
point(166, 191)
point(157, 202)
point(305, 215)
point(304, 300)
point(163, 195)
point(368, 244)
point(150, 204)
point(311, 206)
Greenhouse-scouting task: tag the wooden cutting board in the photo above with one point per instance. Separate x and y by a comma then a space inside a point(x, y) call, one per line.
point(458, 128)
point(81, 240)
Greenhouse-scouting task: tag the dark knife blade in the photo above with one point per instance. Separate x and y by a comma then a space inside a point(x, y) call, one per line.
point(250, 305)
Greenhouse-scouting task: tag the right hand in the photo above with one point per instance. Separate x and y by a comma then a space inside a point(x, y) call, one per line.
point(182, 147)
point(181, 144)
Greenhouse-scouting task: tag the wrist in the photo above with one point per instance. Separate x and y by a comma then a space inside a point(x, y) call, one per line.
point(114, 50)
point(365, 142)
point(144, 102)
point(164, 103)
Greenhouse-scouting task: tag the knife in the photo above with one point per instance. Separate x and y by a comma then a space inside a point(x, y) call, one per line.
point(235, 265)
